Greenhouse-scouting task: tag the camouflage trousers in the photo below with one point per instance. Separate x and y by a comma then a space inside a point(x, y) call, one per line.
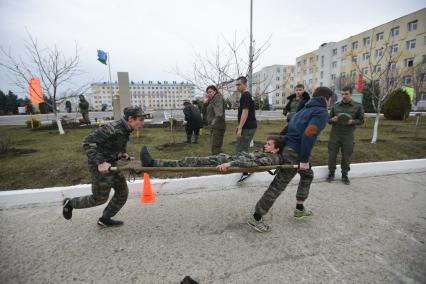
point(196, 161)
point(345, 143)
point(281, 180)
point(101, 187)
point(243, 142)
point(217, 140)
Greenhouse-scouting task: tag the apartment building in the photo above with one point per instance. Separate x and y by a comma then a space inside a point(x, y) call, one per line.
point(149, 95)
point(399, 44)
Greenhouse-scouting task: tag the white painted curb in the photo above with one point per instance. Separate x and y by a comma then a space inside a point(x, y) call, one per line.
point(215, 182)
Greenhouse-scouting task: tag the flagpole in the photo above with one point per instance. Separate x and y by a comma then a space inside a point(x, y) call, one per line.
point(110, 83)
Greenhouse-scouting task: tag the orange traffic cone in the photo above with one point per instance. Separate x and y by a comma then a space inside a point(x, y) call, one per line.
point(147, 195)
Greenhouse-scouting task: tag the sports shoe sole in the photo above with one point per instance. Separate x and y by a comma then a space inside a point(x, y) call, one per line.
point(254, 227)
point(67, 214)
point(103, 225)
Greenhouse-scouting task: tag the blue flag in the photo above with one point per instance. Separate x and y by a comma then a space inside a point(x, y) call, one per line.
point(102, 56)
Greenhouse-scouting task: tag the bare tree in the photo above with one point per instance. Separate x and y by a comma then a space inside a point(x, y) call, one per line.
point(223, 65)
point(48, 64)
point(380, 71)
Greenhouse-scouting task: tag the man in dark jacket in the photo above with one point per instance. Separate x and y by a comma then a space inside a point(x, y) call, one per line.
point(296, 101)
point(104, 147)
point(193, 122)
point(84, 109)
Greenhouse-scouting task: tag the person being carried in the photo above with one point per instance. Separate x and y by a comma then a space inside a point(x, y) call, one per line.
point(104, 147)
point(294, 148)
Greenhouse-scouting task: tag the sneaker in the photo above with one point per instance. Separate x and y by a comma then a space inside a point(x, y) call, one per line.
point(345, 179)
point(146, 159)
point(259, 226)
point(67, 208)
point(330, 177)
point(108, 222)
point(302, 213)
point(244, 176)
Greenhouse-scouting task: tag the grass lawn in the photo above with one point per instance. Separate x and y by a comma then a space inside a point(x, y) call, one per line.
point(45, 158)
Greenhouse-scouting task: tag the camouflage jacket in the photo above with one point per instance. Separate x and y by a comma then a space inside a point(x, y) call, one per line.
point(84, 106)
point(106, 143)
point(246, 160)
point(216, 112)
point(354, 109)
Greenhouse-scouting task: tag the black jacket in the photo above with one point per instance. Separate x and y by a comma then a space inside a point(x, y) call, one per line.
point(193, 117)
point(305, 99)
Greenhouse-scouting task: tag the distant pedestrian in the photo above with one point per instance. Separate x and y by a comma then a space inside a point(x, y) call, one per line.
point(194, 122)
point(84, 109)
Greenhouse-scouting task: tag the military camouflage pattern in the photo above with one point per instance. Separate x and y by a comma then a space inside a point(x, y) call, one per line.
point(101, 187)
point(216, 139)
point(107, 142)
point(342, 134)
point(244, 159)
point(216, 112)
point(104, 145)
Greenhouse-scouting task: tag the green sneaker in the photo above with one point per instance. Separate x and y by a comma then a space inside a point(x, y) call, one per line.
point(305, 213)
point(259, 226)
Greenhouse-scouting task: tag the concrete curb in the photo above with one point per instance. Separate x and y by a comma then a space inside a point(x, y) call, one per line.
point(24, 197)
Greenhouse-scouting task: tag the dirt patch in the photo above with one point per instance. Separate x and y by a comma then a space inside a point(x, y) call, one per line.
point(412, 138)
point(369, 140)
point(15, 152)
point(170, 146)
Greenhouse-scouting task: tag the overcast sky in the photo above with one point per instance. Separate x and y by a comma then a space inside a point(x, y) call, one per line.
point(149, 38)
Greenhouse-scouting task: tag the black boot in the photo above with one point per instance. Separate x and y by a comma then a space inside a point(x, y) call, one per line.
point(195, 139)
point(108, 222)
point(146, 159)
point(345, 179)
point(330, 177)
point(67, 208)
point(188, 139)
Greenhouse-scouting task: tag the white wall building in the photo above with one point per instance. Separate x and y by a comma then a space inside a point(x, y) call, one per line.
point(149, 95)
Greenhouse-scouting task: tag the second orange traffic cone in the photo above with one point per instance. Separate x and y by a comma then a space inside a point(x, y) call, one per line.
point(147, 195)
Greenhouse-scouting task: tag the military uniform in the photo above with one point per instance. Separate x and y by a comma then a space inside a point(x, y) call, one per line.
point(106, 144)
point(215, 113)
point(342, 134)
point(84, 109)
point(244, 159)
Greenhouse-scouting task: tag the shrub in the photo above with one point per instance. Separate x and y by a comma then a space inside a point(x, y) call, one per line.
point(397, 106)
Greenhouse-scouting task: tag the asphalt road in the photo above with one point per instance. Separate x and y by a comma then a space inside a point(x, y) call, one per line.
point(373, 231)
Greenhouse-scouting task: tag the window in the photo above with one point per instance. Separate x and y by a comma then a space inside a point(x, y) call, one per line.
point(392, 66)
point(379, 36)
point(394, 31)
point(411, 44)
point(379, 52)
point(355, 45)
point(321, 74)
point(321, 84)
point(277, 87)
point(298, 63)
point(278, 69)
point(366, 41)
point(407, 80)
point(408, 62)
point(424, 59)
point(354, 59)
point(343, 74)
point(344, 48)
point(343, 61)
point(333, 76)
point(334, 51)
point(322, 61)
point(353, 73)
point(365, 56)
point(334, 64)
point(377, 68)
point(423, 96)
point(393, 49)
point(364, 71)
point(304, 61)
point(412, 26)
point(278, 78)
